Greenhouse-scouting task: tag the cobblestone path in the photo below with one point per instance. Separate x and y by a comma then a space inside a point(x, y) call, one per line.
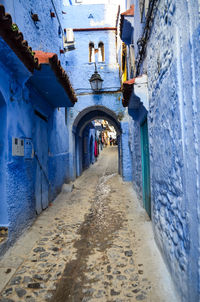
point(93, 244)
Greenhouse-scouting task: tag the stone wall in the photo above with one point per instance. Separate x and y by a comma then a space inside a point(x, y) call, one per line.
point(174, 136)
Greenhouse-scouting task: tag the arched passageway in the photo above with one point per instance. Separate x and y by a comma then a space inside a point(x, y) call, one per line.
point(84, 139)
point(3, 156)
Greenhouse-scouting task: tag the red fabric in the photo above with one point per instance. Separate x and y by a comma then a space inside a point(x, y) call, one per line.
point(95, 149)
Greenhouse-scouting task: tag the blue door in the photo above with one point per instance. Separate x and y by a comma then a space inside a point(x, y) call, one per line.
point(145, 168)
point(41, 156)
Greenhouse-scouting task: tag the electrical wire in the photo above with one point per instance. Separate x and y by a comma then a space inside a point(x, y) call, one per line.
point(57, 16)
point(142, 42)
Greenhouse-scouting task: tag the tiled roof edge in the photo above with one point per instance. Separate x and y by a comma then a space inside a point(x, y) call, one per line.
point(63, 78)
point(52, 60)
point(14, 38)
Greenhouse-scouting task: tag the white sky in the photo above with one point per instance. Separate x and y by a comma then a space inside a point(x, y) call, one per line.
point(101, 1)
point(118, 2)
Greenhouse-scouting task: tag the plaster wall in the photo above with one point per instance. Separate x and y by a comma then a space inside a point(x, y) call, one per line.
point(20, 180)
point(44, 34)
point(172, 65)
point(135, 150)
point(95, 15)
point(19, 173)
point(80, 70)
point(173, 120)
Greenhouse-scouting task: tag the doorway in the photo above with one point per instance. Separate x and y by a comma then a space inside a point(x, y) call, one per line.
point(146, 190)
point(41, 156)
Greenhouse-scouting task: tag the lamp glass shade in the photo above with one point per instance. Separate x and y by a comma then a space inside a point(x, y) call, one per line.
point(96, 81)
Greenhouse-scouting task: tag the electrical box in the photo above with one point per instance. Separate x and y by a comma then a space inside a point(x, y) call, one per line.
point(28, 148)
point(17, 146)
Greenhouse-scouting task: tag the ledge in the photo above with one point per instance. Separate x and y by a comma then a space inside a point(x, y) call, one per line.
point(135, 97)
point(52, 81)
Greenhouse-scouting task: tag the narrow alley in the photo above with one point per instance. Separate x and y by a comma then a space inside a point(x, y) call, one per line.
point(93, 244)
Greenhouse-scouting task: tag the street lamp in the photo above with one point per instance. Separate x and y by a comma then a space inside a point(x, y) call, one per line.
point(96, 80)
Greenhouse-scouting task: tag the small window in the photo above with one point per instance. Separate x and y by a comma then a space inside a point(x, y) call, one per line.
point(101, 56)
point(68, 39)
point(91, 53)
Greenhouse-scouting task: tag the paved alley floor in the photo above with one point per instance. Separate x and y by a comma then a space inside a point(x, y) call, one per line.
point(93, 244)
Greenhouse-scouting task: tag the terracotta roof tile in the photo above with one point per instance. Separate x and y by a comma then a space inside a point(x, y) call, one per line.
point(129, 12)
point(52, 59)
point(14, 38)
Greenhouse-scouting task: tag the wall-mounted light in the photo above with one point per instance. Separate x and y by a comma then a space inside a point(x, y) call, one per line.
point(96, 80)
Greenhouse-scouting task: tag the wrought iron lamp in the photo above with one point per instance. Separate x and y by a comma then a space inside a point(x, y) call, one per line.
point(96, 80)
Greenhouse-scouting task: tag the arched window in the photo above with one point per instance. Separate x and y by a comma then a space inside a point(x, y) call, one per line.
point(101, 56)
point(91, 52)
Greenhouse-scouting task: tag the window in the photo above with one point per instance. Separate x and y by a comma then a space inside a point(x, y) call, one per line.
point(68, 39)
point(91, 53)
point(101, 56)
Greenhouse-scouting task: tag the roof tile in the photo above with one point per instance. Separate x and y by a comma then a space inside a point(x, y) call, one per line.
point(52, 59)
point(14, 38)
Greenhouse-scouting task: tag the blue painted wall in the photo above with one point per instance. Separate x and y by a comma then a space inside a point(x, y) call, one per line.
point(88, 146)
point(80, 70)
point(172, 66)
point(20, 184)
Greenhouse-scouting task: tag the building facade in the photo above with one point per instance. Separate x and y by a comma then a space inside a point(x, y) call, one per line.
point(164, 131)
point(95, 43)
point(35, 93)
point(47, 140)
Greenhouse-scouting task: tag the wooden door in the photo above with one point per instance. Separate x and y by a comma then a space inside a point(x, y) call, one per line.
point(145, 168)
point(41, 156)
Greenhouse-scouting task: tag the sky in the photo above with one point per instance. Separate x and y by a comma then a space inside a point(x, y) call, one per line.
point(66, 2)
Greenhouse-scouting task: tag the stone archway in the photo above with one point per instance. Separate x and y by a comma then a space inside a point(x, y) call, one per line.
point(80, 123)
